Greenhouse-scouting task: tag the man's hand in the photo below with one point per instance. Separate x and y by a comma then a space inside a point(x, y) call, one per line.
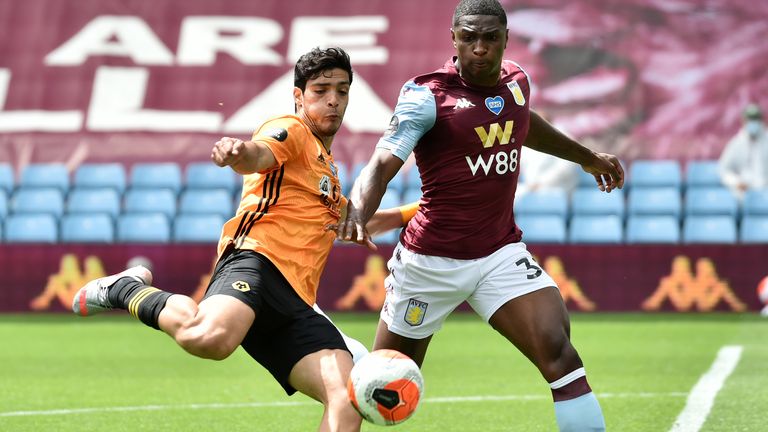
point(352, 229)
point(607, 171)
point(228, 151)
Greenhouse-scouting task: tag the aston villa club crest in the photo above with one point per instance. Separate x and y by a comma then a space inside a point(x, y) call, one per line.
point(414, 314)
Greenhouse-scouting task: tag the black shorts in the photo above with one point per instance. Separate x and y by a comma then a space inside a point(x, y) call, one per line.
point(285, 328)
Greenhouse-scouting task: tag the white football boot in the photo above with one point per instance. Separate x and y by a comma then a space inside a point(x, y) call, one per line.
point(92, 298)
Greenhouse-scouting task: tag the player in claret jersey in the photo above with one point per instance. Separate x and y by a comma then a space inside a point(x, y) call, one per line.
point(466, 123)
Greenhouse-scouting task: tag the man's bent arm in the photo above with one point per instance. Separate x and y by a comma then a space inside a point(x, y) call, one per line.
point(544, 137)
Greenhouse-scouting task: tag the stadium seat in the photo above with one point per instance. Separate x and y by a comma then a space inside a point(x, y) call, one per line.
point(343, 173)
point(390, 237)
point(710, 201)
point(702, 174)
point(104, 200)
point(206, 175)
point(3, 204)
point(143, 228)
point(87, 228)
point(654, 201)
point(596, 229)
point(551, 201)
point(156, 176)
point(206, 201)
point(653, 229)
point(709, 229)
point(754, 229)
point(398, 182)
point(34, 200)
point(542, 228)
point(197, 228)
point(31, 228)
point(412, 178)
point(655, 173)
point(6, 178)
point(586, 180)
point(390, 199)
point(49, 175)
point(411, 195)
point(100, 175)
point(755, 202)
point(151, 201)
point(591, 201)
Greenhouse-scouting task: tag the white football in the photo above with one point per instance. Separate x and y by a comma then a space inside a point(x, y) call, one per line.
point(385, 387)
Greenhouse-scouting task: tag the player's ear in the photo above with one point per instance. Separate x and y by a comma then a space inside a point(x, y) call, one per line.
point(298, 98)
point(453, 38)
point(506, 38)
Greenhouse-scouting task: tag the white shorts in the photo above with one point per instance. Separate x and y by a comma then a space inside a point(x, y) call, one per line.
point(422, 290)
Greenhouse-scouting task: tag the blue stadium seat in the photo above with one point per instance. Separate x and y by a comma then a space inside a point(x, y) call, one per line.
point(104, 200)
point(412, 178)
point(756, 202)
point(31, 228)
point(206, 201)
point(702, 173)
point(206, 175)
point(3, 204)
point(596, 229)
point(412, 195)
point(344, 174)
point(710, 201)
point(754, 229)
point(591, 201)
point(653, 229)
point(542, 228)
point(655, 173)
point(87, 228)
point(156, 176)
point(143, 228)
point(151, 201)
point(390, 237)
point(6, 178)
point(38, 200)
point(709, 229)
point(197, 228)
point(391, 199)
point(101, 175)
point(550, 201)
point(49, 175)
point(586, 180)
point(398, 182)
point(654, 201)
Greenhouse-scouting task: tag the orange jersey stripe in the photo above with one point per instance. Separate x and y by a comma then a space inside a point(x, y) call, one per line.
point(284, 212)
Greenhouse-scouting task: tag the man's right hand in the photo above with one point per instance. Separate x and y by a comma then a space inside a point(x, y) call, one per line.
point(228, 151)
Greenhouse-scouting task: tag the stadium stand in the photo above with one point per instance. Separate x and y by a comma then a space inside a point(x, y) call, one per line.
point(596, 229)
point(206, 201)
point(143, 228)
point(709, 229)
point(197, 228)
point(542, 228)
point(654, 201)
point(53, 175)
point(655, 173)
point(755, 202)
point(550, 201)
point(703, 173)
point(390, 199)
point(156, 176)
point(344, 180)
point(411, 195)
point(105, 200)
point(754, 229)
point(31, 228)
point(205, 175)
point(653, 229)
point(6, 178)
point(591, 201)
point(38, 200)
point(389, 237)
point(101, 175)
point(3, 204)
point(710, 201)
point(412, 178)
point(161, 201)
point(87, 228)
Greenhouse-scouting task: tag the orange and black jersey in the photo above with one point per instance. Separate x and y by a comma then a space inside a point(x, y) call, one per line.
point(284, 212)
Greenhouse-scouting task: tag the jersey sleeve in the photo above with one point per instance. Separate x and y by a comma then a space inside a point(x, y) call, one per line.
point(283, 136)
point(415, 114)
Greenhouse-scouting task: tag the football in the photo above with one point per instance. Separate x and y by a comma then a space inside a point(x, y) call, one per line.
point(385, 387)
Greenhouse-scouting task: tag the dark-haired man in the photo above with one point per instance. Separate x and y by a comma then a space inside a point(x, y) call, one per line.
point(271, 253)
point(466, 123)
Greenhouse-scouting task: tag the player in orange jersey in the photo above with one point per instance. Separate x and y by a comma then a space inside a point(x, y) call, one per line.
point(271, 253)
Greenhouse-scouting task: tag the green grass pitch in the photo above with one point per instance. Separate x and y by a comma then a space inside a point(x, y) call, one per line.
point(110, 373)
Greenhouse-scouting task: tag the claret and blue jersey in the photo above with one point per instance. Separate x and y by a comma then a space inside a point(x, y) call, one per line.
point(466, 140)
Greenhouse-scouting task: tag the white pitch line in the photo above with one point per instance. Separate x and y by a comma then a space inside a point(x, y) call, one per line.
point(703, 394)
point(453, 399)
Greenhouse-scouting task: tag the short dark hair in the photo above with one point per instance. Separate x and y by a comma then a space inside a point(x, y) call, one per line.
point(312, 64)
point(479, 7)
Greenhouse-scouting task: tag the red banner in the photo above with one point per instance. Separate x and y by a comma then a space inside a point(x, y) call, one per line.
point(591, 278)
point(148, 80)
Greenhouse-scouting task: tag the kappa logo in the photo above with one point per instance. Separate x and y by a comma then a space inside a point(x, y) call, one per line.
point(463, 103)
point(414, 314)
point(241, 286)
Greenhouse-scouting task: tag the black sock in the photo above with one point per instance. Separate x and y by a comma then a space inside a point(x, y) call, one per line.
point(142, 301)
